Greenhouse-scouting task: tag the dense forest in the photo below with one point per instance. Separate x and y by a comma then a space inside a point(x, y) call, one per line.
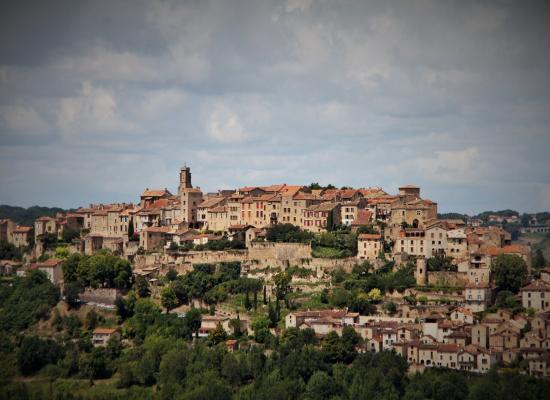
point(26, 216)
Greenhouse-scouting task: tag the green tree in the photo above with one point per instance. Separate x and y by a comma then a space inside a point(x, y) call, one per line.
point(34, 353)
point(235, 324)
point(92, 319)
point(260, 326)
point(168, 299)
point(390, 307)
point(218, 335)
point(193, 318)
point(141, 286)
point(61, 252)
point(69, 234)
point(538, 260)
point(9, 252)
point(171, 275)
point(72, 292)
point(321, 387)
point(247, 304)
point(282, 284)
point(146, 314)
point(70, 267)
point(181, 290)
point(94, 365)
point(26, 300)
point(273, 316)
point(131, 229)
point(510, 272)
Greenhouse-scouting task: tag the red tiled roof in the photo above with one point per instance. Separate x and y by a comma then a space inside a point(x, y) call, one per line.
point(536, 286)
point(247, 189)
point(156, 193)
point(105, 331)
point(448, 348)
point(370, 236)
point(363, 218)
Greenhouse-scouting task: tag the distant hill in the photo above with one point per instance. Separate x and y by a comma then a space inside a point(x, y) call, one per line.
point(451, 215)
point(26, 216)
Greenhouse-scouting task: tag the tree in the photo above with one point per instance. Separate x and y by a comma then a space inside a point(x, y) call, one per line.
point(538, 260)
point(168, 299)
point(34, 353)
point(181, 290)
point(72, 292)
point(94, 365)
point(26, 300)
point(61, 252)
point(114, 347)
point(265, 295)
point(510, 272)
point(122, 309)
point(315, 186)
point(375, 295)
point(172, 274)
point(218, 335)
point(247, 304)
point(70, 267)
point(390, 307)
point(260, 326)
point(141, 286)
point(321, 386)
point(69, 234)
point(340, 297)
point(193, 318)
point(131, 229)
point(235, 324)
point(282, 284)
point(9, 252)
point(92, 319)
point(146, 314)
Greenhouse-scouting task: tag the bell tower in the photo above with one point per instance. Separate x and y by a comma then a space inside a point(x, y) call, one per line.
point(185, 178)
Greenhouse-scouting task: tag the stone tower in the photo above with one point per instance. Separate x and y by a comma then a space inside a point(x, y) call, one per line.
point(190, 197)
point(421, 273)
point(185, 179)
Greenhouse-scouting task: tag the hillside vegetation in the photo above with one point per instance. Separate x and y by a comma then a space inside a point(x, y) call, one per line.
point(26, 216)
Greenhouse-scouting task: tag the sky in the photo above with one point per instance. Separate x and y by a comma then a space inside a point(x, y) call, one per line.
point(102, 99)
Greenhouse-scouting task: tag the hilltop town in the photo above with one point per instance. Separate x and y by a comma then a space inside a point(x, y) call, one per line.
point(449, 293)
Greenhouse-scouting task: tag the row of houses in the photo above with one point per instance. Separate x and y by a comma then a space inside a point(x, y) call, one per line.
point(453, 339)
point(19, 236)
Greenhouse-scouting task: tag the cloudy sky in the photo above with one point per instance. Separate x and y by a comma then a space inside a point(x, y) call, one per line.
point(101, 99)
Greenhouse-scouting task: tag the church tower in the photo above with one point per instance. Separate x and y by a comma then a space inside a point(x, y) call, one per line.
point(185, 178)
point(190, 197)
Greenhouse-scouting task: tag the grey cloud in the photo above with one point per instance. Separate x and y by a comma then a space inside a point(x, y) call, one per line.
point(452, 96)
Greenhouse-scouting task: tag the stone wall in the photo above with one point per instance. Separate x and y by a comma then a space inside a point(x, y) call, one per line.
point(100, 295)
point(444, 278)
point(260, 255)
point(289, 252)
